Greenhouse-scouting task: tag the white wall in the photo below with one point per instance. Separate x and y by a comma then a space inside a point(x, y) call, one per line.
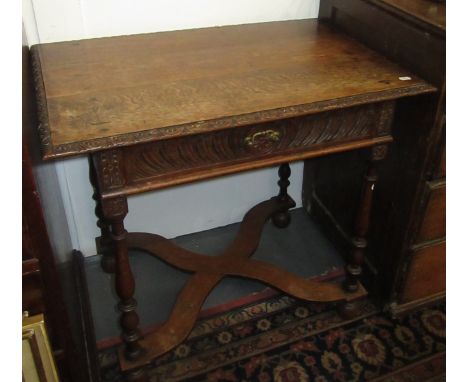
point(177, 210)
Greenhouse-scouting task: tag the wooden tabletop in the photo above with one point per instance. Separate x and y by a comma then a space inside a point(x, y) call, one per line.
point(117, 91)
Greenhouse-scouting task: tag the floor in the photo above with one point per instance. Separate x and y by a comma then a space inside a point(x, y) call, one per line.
point(300, 248)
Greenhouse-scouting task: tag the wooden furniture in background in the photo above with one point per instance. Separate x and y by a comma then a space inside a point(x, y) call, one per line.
point(407, 248)
point(156, 110)
point(88, 351)
point(41, 285)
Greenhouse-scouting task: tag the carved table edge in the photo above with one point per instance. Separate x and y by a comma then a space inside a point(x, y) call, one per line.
point(51, 151)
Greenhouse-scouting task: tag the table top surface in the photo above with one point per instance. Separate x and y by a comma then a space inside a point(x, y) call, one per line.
point(100, 93)
point(428, 11)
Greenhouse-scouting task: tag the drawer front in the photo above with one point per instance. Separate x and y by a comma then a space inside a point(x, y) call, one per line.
point(426, 273)
point(433, 222)
point(164, 163)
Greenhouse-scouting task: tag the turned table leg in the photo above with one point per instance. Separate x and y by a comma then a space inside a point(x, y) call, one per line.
point(114, 211)
point(282, 218)
point(361, 226)
point(103, 242)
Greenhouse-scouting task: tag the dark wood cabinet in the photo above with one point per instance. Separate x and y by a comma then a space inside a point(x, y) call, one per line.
point(425, 276)
point(432, 225)
point(406, 258)
point(41, 291)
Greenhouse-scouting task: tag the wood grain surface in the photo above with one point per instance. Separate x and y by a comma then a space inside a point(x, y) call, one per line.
point(426, 274)
point(433, 222)
point(207, 271)
point(117, 91)
point(428, 11)
point(160, 164)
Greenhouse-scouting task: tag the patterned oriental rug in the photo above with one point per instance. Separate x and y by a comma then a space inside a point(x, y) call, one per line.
point(281, 339)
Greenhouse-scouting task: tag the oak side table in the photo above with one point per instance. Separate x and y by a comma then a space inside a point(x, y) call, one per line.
point(161, 109)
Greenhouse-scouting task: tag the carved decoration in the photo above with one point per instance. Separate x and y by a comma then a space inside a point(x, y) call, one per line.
point(41, 103)
point(158, 159)
point(379, 152)
point(110, 172)
point(75, 148)
point(114, 208)
point(386, 118)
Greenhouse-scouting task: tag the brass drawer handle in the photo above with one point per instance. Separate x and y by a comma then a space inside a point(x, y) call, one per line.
point(261, 138)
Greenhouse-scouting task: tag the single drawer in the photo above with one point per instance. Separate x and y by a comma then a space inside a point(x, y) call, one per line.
point(433, 222)
point(154, 165)
point(426, 273)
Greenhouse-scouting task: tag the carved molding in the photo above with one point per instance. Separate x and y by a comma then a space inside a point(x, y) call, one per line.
point(379, 152)
point(166, 157)
point(384, 126)
point(110, 173)
point(41, 103)
point(162, 133)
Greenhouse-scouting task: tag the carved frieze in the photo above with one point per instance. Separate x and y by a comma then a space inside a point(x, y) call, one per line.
point(111, 174)
point(114, 208)
point(385, 120)
point(41, 102)
point(379, 152)
point(241, 144)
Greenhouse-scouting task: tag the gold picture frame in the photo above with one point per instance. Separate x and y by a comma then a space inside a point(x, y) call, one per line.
point(38, 361)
